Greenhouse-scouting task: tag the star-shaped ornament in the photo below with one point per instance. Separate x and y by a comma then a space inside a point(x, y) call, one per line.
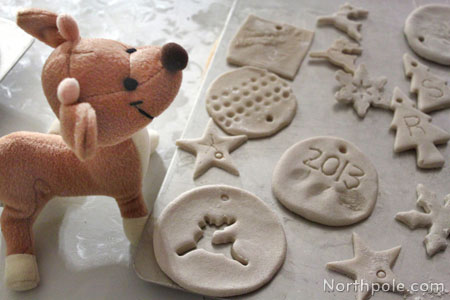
point(212, 150)
point(369, 267)
point(362, 91)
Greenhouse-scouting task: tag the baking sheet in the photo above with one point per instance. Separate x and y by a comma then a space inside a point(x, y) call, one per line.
point(310, 245)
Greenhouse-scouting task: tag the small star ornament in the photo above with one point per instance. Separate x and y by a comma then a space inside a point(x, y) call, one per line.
point(361, 91)
point(369, 267)
point(436, 217)
point(212, 150)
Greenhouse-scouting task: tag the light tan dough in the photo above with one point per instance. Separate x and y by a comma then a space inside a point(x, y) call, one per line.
point(427, 32)
point(277, 47)
point(433, 92)
point(372, 268)
point(343, 20)
point(436, 218)
point(213, 150)
point(326, 180)
point(251, 101)
point(341, 54)
point(415, 131)
point(252, 243)
point(361, 91)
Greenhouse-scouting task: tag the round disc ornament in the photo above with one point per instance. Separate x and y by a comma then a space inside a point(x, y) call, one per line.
point(219, 241)
point(252, 102)
point(427, 30)
point(326, 180)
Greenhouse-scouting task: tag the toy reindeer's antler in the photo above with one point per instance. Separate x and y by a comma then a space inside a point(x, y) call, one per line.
point(78, 120)
point(47, 26)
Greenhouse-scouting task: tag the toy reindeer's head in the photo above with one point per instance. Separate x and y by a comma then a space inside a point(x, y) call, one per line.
point(110, 88)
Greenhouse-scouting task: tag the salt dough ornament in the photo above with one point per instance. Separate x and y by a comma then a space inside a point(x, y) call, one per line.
point(251, 101)
point(277, 47)
point(433, 92)
point(255, 237)
point(427, 30)
point(368, 266)
point(212, 150)
point(436, 218)
point(415, 131)
point(341, 53)
point(326, 180)
point(343, 20)
point(361, 91)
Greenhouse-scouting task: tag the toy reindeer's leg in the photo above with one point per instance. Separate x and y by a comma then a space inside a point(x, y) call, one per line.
point(134, 213)
point(21, 270)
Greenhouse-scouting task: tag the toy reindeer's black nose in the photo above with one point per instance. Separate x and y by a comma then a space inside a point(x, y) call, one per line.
point(174, 57)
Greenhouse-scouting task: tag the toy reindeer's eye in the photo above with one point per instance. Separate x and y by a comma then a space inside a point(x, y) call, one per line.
point(131, 50)
point(130, 84)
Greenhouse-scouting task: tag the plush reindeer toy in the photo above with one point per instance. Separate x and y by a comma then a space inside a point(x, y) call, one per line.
point(104, 93)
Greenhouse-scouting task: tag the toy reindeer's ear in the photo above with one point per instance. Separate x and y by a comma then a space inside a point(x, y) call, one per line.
point(68, 28)
point(78, 120)
point(42, 25)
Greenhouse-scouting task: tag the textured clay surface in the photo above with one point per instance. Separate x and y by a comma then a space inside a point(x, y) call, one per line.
point(277, 47)
point(251, 101)
point(219, 241)
point(326, 180)
point(427, 30)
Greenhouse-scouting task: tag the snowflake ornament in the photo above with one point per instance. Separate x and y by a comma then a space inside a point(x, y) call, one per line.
point(436, 217)
point(362, 91)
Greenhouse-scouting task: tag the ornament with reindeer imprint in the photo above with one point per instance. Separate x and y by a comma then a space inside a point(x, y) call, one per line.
point(326, 180)
point(252, 102)
point(277, 47)
point(427, 31)
point(415, 131)
point(243, 254)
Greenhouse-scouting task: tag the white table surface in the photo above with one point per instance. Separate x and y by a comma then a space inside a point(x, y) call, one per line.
point(81, 248)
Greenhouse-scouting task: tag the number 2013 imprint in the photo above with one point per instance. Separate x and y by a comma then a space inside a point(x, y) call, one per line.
point(331, 166)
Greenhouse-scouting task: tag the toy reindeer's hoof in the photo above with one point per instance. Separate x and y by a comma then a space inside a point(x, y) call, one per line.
point(133, 228)
point(21, 272)
point(154, 140)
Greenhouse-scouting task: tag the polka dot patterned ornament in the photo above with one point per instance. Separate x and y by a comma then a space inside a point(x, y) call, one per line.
point(251, 101)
